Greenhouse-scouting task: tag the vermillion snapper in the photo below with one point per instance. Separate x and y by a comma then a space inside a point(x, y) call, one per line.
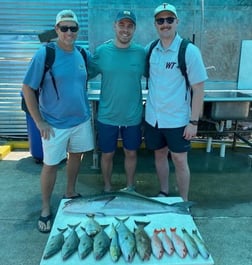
point(178, 243)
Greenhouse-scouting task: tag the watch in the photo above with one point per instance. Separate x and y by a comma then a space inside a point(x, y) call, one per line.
point(194, 122)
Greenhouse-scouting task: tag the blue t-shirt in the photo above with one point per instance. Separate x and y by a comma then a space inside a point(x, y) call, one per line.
point(121, 71)
point(70, 107)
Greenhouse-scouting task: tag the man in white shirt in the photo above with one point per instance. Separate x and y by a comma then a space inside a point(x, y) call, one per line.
point(172, 114)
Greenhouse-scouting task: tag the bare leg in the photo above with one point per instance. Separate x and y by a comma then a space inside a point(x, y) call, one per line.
point(182, 173)
point(106, 167)
point(48, 178)
point(73, 167)
point(162, 168)
point(130, 162)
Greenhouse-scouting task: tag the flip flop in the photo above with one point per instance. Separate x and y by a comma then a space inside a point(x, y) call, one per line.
point(162, 194)
point(73, 197)
point(47, 221)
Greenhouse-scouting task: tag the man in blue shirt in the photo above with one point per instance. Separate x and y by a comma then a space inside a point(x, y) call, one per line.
point(62, 114)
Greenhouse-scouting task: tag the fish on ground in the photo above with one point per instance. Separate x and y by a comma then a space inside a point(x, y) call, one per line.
point(114, 248)
point(201, 245)
point(101, 244)
point(156, 245)
point(71, 243)
point(92, 227)
point(85, 246)
point(167, 242)
point(55, 244)
point(190, 244)
point(123, 203)
point(143, 241)
point(178, 243)
point(126, 240)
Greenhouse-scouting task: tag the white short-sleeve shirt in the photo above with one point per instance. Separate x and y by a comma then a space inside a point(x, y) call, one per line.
point(168, 100)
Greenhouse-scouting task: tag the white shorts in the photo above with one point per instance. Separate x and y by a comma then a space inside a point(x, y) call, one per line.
point(77, 139)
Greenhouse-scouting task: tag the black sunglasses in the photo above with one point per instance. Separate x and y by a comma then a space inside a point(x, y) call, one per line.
point(169, 20)
point(66, 28)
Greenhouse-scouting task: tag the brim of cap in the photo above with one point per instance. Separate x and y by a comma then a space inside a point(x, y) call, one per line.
point(126, 17)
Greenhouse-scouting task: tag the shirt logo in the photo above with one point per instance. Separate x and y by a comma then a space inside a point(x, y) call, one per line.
point(170, 65)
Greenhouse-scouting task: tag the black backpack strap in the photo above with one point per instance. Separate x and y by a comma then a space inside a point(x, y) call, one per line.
point(147, 64)
point(50, 57)
point(83, 53)
point(181, 60)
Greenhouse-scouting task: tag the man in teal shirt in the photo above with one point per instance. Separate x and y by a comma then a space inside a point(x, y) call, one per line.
point(121, 65)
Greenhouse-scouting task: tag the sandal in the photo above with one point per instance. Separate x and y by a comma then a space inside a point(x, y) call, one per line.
point(47, 223)
point(78, 195)
point(162, 194)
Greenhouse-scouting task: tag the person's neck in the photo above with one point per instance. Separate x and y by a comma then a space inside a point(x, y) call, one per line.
point(166, 42)
point(118, 44)
point(64, 46)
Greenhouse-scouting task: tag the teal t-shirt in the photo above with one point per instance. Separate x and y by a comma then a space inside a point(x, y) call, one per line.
point(121, 71)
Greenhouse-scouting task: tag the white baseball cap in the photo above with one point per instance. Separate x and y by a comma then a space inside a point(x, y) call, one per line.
point(66, 15)
point(165, 7)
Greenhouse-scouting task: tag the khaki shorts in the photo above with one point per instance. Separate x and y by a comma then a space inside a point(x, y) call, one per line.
point(77, 139)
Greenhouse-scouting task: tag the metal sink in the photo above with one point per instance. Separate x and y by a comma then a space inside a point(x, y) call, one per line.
point(222, 101)
point(222, 104)
point(227, 95)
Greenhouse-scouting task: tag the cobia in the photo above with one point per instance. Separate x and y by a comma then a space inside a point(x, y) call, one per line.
point(123, 203)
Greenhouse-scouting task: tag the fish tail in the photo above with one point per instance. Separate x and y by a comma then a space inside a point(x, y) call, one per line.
point(141, 223)
point(73, 226)
point(173, 229)
point(157, 231)
point(62, 230)
point(122, 219)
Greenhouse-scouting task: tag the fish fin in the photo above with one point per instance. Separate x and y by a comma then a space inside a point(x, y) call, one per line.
point(184, 204)
point(106, 198)
point(83, 228)
point(90, 215)
point(104, 226)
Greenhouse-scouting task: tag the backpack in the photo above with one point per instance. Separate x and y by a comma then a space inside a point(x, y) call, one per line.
point(49, 60)
point(181, 60)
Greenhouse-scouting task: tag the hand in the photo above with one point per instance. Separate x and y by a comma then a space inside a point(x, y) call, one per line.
point(190, 131)
point(45, 129)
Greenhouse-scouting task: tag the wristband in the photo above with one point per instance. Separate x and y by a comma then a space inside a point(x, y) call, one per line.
point(194, 122)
